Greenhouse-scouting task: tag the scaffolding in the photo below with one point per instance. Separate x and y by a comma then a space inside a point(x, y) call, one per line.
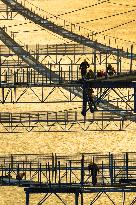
point(58, 174)
point(26, 73)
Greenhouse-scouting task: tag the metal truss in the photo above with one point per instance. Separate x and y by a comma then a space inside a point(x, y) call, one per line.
point(55, 55)
point(6, 13)
point(50, 169)
point(40, 95)
point(31, 80)
point(118, 112)
point(79, 197)
point(58, 51)
point(66, 126)
point(64, 174)
point(43, 74)
point(67, 31)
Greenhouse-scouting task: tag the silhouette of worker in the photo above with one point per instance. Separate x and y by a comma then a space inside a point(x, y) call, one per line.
point(100, 74)
point(110, 70)
point(91, 98)
point(83, 67)
point(90, 74)
point(20, 176)
point(93, 168)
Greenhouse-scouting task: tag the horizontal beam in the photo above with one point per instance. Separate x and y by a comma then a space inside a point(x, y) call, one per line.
point(44, 82)
point(77, 189)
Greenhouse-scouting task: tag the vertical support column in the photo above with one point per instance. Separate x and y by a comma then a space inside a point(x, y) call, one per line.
point(57, 54)
point(126, 165)
point(111, 167)
point(59, 73)
point(74, 53)
point(70, 169)
point(69, 74)
point(2, 173)
point(118, 60)
point(114, 171)
point(11, 13)
point(71, 70)
point(71, 27)
point(11, 95)
point(95, 63)
point(84, 100)
point(11, 161)
point(66, 173)
point(106, 63)
point(30, 170)
point(37, 52)
point(3, 96)
point(131, 60)
point(76, 198)
point(50, 73)
point(0, 64)
point(49, 179)
point(9, 173)
point(55, 168)
point(7, 12)
point(120, 64)
point(82, 170)
point(102, 173)
point(123, 198)
point(135, 99)
point(52, 167)
point(40, 173)
point(59, 172)
point(27, 198)
point(82, 199)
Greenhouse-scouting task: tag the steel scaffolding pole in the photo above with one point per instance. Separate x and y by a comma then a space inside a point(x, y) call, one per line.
point(76, 198)
point(27, 198)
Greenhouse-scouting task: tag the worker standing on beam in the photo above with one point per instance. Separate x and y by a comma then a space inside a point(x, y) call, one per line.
point(20, 176)
point(91, 99)
point(90, 74)
point(110, 70)
point(93, 168)
point(83, 67)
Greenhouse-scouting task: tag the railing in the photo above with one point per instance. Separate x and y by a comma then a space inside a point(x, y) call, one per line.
point(51, 49)
point(51, 117)
point(29, 76)
point(79, 29)
point(69, 170)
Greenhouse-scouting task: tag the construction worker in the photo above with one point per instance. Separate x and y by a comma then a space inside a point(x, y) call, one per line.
point(83, 67)
point(91, 98)
point(90, 74)
point(100, 74)
point(20, 176)
point(93, 168)
point(110, 70)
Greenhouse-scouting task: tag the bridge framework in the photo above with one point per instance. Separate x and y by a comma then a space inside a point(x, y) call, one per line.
point(64, 174)
point(79, 192)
